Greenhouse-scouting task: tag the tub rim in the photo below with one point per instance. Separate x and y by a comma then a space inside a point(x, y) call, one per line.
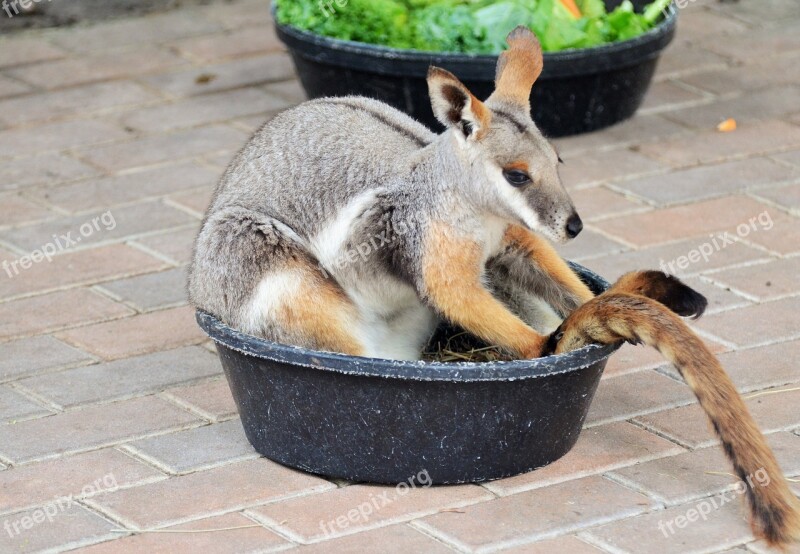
point(416, 370)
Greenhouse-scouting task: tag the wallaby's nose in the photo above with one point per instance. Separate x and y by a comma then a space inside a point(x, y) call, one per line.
point(574, 225)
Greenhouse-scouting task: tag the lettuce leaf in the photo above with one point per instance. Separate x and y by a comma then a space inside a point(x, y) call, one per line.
point(472, 26)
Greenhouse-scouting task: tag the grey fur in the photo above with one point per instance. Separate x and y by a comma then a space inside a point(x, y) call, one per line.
point(310, 164)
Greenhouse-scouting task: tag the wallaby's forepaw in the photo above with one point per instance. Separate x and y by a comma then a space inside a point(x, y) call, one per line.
point(664, 288)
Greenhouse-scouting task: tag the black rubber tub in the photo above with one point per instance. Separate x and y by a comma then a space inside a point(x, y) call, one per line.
point(579, 90)
point(384, 421)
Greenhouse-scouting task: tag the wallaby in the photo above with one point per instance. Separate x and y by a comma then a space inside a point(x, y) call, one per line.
point(282, 252)
point(635, 310)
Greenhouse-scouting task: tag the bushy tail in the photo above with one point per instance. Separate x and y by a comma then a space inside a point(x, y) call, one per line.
point(624, 314)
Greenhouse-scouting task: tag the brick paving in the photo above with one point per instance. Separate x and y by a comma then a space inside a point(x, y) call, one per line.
point(104, 374)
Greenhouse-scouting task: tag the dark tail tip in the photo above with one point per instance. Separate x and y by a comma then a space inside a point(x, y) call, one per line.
point(672, 292)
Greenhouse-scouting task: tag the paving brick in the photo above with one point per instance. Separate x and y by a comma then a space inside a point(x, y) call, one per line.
point(291, 91)
point(238, 43)
point(713, 146)
point(596, 167)
point(78, 268)
point(612, 266)
point(783, 237)
point(766, 281)
point(312, 518)
point(208, 108)
point(598, 450)
point(254, 122)
point(54, 311)
point(760, 547)
point(750, 107)
point(196, 200)
point(150, 332)
point(699, 183)
point(224, 76)
point(589, 244)
point(162, 148)
point(202, 447)
point(630, 358)
point(81, 100)
point(757, 45)
point(124, 378)
point(791, 157)
point(682, 59)
point(723, 527)
point(22, 50)
point(14, 406)
point(210, 492)
point(138, 32)
point(45, 169)
point(786, 196)
point(757, 324)
point(568, 544)
point(99, 226)
point(763, 12)
point(15, 210)
point(71, 527)
point(636, 130)
point(130, 187)
point(773, 411)
point(692, 475)
point(252, 539)
point(12, 87)
point(37, 354)
point(34, 484)
point(213, 399)
point(767, 73)
point(719, 297)
point(761, 367)
point(600, 202)
point(537, 514)
point(57, 136)
point(97, 67)
point(670, 95)
point(151, 291)
point(90, 428)
point(702, 24)
point(635, 394)
point(220, 160)
point(395, 539)
point(691, 220)
point(175, 245)
point(253, 15)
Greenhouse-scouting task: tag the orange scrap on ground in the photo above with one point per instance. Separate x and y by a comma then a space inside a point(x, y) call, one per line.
point(727, 126)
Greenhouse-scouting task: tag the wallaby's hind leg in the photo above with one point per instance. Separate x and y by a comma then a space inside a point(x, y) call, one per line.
point(253, 272)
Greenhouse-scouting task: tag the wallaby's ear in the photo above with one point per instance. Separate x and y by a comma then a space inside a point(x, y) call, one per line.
point(518, 67)
point(455, 106)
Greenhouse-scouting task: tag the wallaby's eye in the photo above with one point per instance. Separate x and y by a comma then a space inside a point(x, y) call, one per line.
point(516, 177)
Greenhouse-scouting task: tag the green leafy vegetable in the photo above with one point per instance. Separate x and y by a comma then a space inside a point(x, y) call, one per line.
point(471, 26)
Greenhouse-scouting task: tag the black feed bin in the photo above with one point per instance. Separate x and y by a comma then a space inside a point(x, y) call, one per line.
point(579, 90)
point(385, 421)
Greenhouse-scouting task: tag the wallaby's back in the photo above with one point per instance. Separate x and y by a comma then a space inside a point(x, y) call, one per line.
point(309, 161)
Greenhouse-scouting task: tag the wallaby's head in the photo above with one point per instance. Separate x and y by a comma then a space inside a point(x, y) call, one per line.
point(513, 169)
